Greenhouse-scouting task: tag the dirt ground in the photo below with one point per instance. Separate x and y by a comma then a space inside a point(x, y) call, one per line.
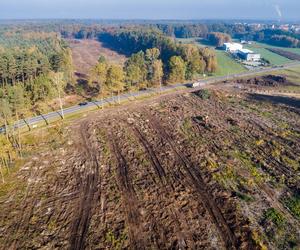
point(288, 54)
point(87, 52)
point(175, 172)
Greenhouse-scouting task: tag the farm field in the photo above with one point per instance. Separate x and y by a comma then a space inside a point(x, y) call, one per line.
point(209, 169)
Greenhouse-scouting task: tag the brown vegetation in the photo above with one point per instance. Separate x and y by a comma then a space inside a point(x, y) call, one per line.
point(87, 52)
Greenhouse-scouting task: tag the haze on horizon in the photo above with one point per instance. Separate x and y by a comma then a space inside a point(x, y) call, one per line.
point(151, 9)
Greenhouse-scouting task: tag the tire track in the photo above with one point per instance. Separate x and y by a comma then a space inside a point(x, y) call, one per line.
point(88, 188)
point(152, 156)
point(160, 171)
point(130, 200)
point(197, 181)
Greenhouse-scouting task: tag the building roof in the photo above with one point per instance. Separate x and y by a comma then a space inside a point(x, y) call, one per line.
point(233, 44)
point(246, 51)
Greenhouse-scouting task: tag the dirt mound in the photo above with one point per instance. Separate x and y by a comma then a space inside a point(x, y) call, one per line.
point(266, 81)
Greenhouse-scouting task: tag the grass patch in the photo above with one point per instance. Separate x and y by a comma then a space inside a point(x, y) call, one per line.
point(116, 242)
point(244, 158)
point(244, 197)
point(268, 55)
point(204, 94)
point(293, 203)
point(274, 216)
point(227, 65)
point(12, 183)
point(264, 45)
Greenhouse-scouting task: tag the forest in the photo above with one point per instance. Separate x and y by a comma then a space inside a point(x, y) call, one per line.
point(91, 29)
point(29, 63)
point(133, 41)
point(153, 59)
point(31, 60)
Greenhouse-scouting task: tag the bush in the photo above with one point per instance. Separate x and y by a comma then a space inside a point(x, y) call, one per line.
point(204, 94)
point(274, 216)
point(293, 203)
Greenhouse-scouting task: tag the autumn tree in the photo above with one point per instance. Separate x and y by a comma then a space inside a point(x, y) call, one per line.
point(154, 66)
point(158, 73)
point(136, 70)
point(195, 63)
point(177, 69)
point(98, 74)
point(218, 38)
point(115, 78)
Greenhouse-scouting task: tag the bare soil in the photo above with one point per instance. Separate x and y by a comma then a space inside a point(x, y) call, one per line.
point(288, 54)
point(174, 172)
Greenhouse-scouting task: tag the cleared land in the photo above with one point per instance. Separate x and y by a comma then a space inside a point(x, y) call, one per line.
point(198, 170)
point(87, 52)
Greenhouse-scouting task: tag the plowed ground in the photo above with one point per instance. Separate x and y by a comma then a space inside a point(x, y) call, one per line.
point(176, 172)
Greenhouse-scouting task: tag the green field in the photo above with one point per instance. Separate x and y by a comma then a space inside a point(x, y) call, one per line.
point(227, 65)
point(264, 45)
point(195, 40)
point(294, 50)
point(273, 58)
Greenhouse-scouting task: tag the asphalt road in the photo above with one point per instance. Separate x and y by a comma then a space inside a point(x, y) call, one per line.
point(34, 121)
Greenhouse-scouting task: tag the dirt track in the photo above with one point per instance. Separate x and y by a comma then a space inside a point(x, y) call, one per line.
point(159, 175)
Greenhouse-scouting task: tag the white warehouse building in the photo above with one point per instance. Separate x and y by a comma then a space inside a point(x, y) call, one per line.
point(232, 47)
point(248, 55)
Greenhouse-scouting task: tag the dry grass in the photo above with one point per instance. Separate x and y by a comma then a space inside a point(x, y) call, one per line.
point(87, 52)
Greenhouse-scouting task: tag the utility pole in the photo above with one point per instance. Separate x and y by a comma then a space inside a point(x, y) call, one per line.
point(58, 84)
point(160, 85)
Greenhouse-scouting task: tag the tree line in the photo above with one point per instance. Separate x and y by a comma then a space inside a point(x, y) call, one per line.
point(197, 60)
point(218, 39)
point(147, 69)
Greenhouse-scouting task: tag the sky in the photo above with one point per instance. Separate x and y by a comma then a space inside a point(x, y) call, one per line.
point(151, 9)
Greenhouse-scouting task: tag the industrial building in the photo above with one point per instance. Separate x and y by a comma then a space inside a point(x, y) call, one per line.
point(232, 47)
point(248, 55)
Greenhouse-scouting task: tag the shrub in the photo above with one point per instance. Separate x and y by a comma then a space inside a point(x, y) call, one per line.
point(293, 203)
point(204, 94)
point(274, 216)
